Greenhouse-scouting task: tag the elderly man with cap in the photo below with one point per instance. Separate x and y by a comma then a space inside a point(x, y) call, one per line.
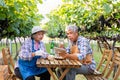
point(78, 49)
point(31, 50)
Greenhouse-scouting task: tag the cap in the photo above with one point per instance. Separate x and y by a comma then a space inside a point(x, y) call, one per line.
point(37, 29)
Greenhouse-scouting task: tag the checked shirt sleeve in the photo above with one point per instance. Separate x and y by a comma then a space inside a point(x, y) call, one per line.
point(25, 52)
point(84, 47)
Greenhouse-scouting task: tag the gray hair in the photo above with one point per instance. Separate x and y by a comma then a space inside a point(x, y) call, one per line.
point(72, 28)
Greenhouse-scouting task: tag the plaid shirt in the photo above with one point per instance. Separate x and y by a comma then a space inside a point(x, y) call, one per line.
point(26, 50)
point(84, 48)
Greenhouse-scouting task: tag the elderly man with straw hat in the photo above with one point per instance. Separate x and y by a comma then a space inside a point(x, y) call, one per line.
point(31, 50)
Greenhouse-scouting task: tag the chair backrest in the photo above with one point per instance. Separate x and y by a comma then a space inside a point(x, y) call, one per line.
point(115, 61)
point(106, 59)
point(7, 59)
point(103, 45)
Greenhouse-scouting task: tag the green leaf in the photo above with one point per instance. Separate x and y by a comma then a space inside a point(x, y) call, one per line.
point(40, 1)
point(2, 16)
point(107, 8)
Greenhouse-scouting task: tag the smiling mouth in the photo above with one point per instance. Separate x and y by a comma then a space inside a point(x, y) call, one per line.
point(71, 38)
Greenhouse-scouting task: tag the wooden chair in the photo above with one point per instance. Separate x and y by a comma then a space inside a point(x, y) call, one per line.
point(100, 71)
point(102, 46)
point(115, 61)
point(7, 60)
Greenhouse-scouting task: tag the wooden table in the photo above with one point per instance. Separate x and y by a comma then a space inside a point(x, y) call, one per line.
point(49, 64)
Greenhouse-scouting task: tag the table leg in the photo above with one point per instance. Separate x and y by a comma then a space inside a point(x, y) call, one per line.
point(51, 73)
point(64, 73)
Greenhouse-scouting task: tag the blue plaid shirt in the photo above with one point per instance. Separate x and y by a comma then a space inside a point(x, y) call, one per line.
point(84, 49)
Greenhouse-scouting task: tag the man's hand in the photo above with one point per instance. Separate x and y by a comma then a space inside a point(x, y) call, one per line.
point(69, 56)
point(64, 55)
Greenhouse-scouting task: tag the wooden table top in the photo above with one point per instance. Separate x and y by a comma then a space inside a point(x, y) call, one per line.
point(64, 63)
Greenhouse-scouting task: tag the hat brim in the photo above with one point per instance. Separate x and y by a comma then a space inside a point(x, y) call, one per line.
point(43, 31)
point(40, 31)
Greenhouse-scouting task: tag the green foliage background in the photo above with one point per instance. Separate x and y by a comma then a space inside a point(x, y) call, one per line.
point(86, 14)
point(17, 17)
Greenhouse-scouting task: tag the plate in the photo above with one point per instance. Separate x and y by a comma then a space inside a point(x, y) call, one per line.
point(60, 58)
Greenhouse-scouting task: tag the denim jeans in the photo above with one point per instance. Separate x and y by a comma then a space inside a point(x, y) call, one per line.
point(84, 69)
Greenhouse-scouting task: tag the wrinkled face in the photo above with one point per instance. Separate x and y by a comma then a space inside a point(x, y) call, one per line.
point(38, 36)
point(72, 36)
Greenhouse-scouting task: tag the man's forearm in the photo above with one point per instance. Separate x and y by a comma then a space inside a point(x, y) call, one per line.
point(72, 56)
